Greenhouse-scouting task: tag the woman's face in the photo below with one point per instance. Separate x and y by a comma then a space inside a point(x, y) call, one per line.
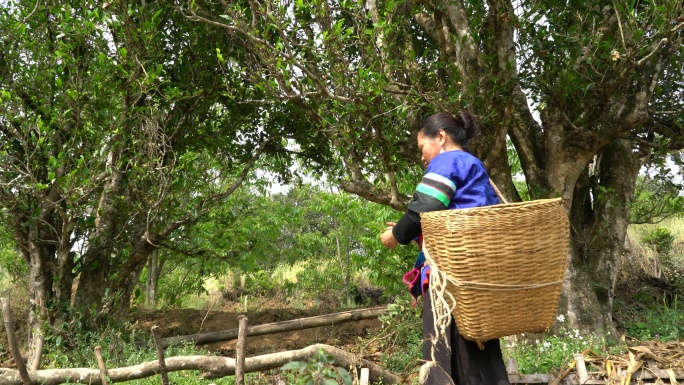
point(430, 147)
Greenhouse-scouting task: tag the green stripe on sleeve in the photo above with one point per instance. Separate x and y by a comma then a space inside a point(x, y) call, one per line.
point(430, 191)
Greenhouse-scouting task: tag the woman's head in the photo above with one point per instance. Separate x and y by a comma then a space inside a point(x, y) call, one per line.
point(443, 132)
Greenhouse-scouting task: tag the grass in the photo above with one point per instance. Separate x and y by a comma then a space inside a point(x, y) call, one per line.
point(401, 337)
point(119, 350)
point(657, 321)
point(675, 225)
point(549, 352)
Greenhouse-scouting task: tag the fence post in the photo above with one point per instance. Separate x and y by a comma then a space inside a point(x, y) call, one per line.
point(101, 364)
point(581, 368)
point(365, 374)
point(240, 351)
point(160, 355)
point(12, 341)
point(512, 367)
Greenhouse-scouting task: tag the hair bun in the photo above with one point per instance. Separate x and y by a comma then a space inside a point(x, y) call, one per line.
point(468, 124)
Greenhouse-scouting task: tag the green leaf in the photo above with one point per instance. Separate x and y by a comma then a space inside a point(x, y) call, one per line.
point(156, 15)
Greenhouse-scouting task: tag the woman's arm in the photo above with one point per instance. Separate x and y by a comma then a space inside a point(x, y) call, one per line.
point(408, 227)
point(406, 230)
point(433, 193)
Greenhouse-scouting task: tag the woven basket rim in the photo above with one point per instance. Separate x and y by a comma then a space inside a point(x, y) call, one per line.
point(497, 207)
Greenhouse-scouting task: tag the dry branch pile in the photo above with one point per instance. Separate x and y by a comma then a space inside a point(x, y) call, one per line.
point(651, 362)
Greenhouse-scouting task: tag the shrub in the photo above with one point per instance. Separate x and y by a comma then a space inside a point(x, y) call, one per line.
point(661, 239)
point(319, 370)
point(260, 283)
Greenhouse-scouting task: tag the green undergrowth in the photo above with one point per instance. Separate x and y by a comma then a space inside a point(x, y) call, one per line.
point(664, 322)
point(400, 339)
point(652, 317)
point(646, 307)
point(548, 353)
point(397, 347)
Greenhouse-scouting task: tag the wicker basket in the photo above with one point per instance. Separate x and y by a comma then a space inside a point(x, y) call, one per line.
point(504, 264)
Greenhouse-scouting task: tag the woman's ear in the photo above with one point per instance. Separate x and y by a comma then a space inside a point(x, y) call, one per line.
point(442, 137)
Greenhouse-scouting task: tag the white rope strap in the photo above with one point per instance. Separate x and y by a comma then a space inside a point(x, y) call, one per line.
point(441, 310)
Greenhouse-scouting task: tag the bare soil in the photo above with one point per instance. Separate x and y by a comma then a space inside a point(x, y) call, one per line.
point(188, 321)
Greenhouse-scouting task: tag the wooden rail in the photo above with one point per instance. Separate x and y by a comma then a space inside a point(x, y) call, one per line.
point(277, 327)
point(215, 367)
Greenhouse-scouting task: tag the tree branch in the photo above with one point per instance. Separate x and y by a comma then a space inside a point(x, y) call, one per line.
point(263, 44)
point(208, 203)
point(467, 52)
point(366, 190)
point(652, 53)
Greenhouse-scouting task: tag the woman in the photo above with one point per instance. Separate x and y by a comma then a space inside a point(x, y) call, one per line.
point(454, 179)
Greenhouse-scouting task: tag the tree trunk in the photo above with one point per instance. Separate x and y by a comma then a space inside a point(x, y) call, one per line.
point(599, 219)
point(92, 279)
point(121, 306)
point(39, 287)
point(154, 267)
point(128, 277)
point(120, 282)
point(578, 303)
point(617, 170)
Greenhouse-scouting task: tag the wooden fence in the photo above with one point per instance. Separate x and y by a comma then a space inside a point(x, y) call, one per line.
point(212, 367)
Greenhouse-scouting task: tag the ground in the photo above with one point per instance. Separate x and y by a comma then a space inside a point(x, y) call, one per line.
point(631, 293)
point(188, 321)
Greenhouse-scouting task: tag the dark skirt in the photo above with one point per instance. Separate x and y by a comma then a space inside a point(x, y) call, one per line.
point(467, 364)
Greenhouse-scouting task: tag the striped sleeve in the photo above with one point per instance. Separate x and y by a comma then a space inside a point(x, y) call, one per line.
point(434, 192)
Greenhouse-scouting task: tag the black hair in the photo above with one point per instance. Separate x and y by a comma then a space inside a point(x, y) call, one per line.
point(460, 128)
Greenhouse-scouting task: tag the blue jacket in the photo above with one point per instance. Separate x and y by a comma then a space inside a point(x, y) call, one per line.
point(454, 180)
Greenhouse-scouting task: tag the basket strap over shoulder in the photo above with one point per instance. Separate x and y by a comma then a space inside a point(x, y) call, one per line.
point(498, 193)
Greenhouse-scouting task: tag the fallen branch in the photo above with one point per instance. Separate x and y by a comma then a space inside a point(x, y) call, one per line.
point(210, 367)
point(277, 327)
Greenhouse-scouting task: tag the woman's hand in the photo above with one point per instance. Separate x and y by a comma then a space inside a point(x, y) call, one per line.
point(387, 238)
